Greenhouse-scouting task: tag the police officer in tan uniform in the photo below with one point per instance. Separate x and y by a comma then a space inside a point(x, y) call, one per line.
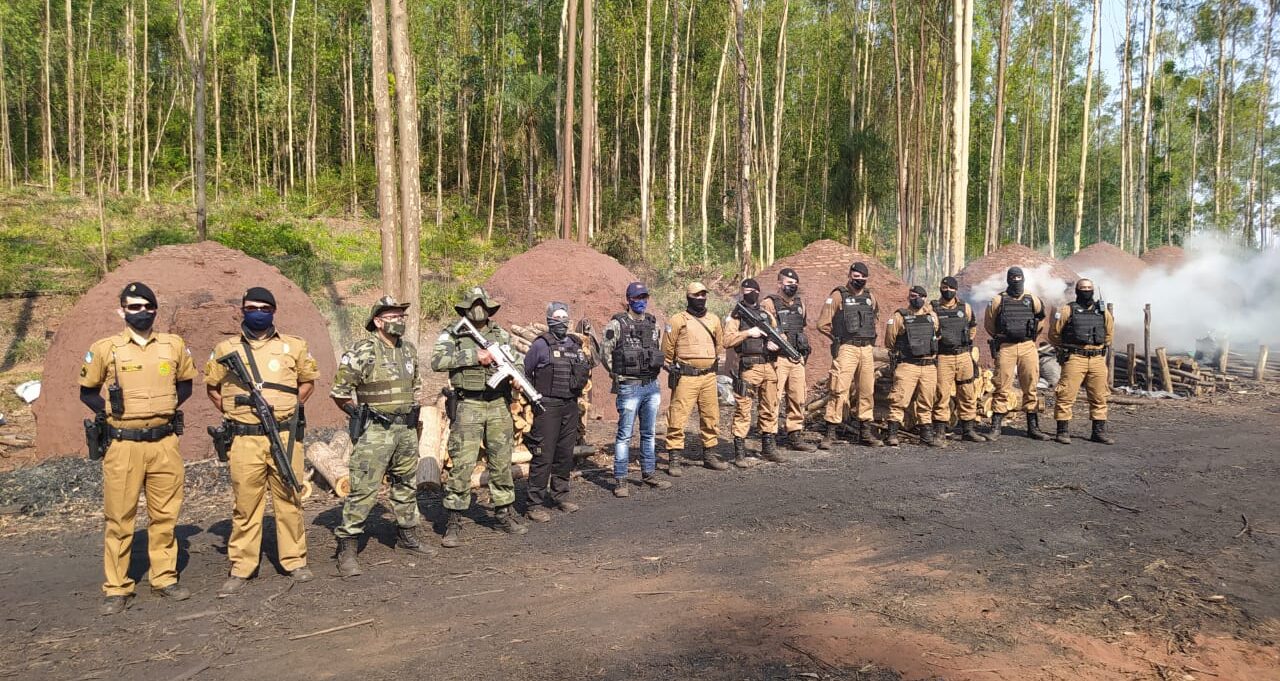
point(787, 307)
point(1082, 331)
point(148, 376)
point(1014, 320)
point(755, 378)
point(957, 366)
point(288, 373)
point(911, 336)
point(849, 319)
point(691, 352)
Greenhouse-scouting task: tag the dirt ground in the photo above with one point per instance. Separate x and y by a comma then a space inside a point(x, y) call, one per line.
point(1153, 559)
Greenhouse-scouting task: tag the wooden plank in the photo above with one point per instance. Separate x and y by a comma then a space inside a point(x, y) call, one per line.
point(1132, 353)
point(1163, 357)
point(1263, 353)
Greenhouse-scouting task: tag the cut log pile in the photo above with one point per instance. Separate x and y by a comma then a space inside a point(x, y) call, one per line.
point(1184, 375)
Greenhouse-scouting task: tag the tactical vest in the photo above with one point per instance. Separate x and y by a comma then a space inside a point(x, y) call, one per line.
point(696, 343)
point(1087, 325)
point(388, 386)
point(566, 372)
point(916, 339)
point(856, 319)
point(1016, 321)
point(145, 376)
point(473, 378)
point(636, 354)
point(279, 370)
point(791, 321)
point(753, 348)
point(953, 328)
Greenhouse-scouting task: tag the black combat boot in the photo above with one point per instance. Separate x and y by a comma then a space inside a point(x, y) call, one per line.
point(712, 460)
point(673, 463)
point(347, 564)
point(1033, 427)
point(769, 449)
point(997, 424)
point(452, 531)
point(891, 439)
point(1100, 433)
point(970, 430)
point(794, 443)
point(407, 539)
point(1063, 436)
point(740, 458)
point(868, 434)
point(930, 435)
point(507, 521)
point(828, 438)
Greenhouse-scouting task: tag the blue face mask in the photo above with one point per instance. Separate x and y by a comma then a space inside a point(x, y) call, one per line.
point(638, 305)
point(258, 320)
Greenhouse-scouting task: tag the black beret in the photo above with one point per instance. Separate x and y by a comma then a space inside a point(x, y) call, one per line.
point(138, 289)
point(258, 294)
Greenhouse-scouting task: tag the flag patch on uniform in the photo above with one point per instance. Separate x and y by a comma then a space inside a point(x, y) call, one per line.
point(88, 357)
point(346, 359)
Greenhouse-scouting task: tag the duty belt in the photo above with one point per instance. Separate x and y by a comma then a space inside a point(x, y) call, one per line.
point(635, 380)
point(859, 342)
point(142, 434)
point(752, 361)
point(686, 370)
point(1083, 352)
point(252, 428)
point(482, 395)
point(958, 351)
point(395, 419)
point(918, 362)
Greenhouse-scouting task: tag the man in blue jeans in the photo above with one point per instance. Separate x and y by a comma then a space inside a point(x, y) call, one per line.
point(632, 352)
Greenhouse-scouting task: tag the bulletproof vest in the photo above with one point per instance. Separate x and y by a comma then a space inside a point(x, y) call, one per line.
point(146, 376)
point(1087, 325)
point(1016, 321)
point(791, 319)
point(277, 366)
point(953, 331)
point(916, 339)
point(695, 342)
point(388, 386)
point(566, 372)
point(751, 347)
point(856, 319)
point(473, 378)
point(636, 353)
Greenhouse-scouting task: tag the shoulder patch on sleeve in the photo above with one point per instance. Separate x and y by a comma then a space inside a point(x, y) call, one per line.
point(88, 357)
point(668, 328)
point(830, 300)
point(890, 321)
point(444, 336)
point(346, 359)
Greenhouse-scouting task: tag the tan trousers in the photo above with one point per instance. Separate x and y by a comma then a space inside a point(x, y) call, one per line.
point(691, 391)
point(127, 469)
point(956, 380)
point(1092, 372)
point(852, 366)
point(762, 383)
point(1023, 358)
point(791, 386)
point(914, 386)
point(253, 471)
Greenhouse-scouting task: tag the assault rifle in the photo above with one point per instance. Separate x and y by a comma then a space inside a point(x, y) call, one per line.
point(502, 359)
point(262, 409)
point(760, 320)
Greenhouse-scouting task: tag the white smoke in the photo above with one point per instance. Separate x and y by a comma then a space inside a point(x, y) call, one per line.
point(1039, 280)
point(1220, 289)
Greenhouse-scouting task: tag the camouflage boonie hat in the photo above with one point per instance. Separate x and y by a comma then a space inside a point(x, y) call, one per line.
point(473, 294)
point(384, 303)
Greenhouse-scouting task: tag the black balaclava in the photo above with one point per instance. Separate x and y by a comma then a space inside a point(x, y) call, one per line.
point(696, 306)
point(753, 296)
point(1084, 297)
point(1016, 281)
point(949, 287)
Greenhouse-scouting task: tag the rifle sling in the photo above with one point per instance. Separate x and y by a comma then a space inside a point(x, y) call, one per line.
point(257, 378)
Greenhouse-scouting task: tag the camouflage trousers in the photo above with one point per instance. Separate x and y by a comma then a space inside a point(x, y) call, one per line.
point(390, 451)
point(480, 422)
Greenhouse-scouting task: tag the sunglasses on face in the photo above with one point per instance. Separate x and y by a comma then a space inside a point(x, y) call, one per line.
point(139, 307)
point(642, 296)
point(258, 308)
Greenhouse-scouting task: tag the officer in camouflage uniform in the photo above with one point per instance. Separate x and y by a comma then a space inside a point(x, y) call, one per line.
point(481, 417)
point(381, 373)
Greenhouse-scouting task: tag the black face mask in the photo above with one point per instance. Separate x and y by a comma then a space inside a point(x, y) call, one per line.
point(790, 290)
point(751, 298)
point(1084, 297)
point(697, 306)
point(916, 303)
point(1015, 288)
point(140, 321)
point(948, 295)
point(857, 284)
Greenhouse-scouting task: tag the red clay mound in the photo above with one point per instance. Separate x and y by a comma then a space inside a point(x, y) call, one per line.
point(983, 278)
point(199, 288)
point(1168, 257)
point(822, 266)
point(591, 283)
point(1107, 258)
